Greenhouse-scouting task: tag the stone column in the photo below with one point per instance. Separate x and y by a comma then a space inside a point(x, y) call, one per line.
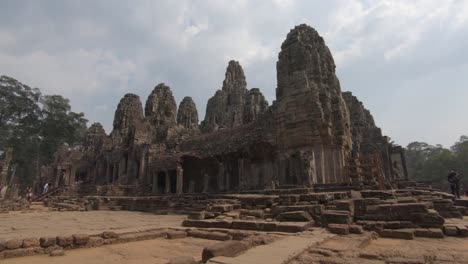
point(180, 179)
point(168, 182)
point(107, 172)
point(115, 170)
point(57, 176)
point(72, 174)
point(154, 178)
point(206, 182)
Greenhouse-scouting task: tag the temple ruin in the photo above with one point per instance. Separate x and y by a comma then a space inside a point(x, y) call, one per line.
point(234, 186)
point(311, 134)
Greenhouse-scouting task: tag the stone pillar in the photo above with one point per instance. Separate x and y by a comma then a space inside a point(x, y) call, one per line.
point(115, 170)
point(168, 182)
point(72, 174)
point(57, 176)
point(180, 179)
point(154, 177)
point(108, 179)
point(191, 187)
point(206, 182)
point(220, 180)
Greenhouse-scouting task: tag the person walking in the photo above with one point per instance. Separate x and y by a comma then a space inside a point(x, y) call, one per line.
point(454, 180)
point(46, 188)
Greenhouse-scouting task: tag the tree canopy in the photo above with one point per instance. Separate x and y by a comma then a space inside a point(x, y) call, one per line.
point(432, 163)
point(35, 125)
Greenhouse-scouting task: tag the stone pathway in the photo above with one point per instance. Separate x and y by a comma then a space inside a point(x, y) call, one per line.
point(278, 252)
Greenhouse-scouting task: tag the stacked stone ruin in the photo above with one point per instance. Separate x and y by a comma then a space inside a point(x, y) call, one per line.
point(248, 165)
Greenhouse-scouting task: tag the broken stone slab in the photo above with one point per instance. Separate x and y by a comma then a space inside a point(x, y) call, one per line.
point(207, 223)
point(429, 232)
point(48, 241)
point(338, 229)
point(400, 234)
point(175, 234)
point(209, 235)
point(297, 216)
point(31, 242)
point(226, 248)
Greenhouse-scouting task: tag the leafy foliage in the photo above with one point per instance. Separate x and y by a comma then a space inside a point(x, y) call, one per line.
point(35, 125)
point(432, 163)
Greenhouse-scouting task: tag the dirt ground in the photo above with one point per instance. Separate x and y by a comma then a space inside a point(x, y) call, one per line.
point(157, 251)
point(39, 221)
point(353, 249)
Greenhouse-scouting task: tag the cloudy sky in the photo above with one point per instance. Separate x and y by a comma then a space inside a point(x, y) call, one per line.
point(406, 60)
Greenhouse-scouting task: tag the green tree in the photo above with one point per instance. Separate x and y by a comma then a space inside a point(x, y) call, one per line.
point(35, 125)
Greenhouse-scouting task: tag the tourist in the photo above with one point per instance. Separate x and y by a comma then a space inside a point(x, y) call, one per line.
point(29, 194)
point(454, 180)
point(46, 188)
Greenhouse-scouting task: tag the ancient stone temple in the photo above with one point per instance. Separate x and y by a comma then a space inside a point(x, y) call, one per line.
point(307, 136)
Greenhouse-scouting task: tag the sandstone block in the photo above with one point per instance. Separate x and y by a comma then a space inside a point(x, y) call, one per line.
point(209, 235)
point(226, 248)
point(462, 231)
point(22, 252)
point(96, 241)
point(175, 234)
point(297, 216)
point(183, 260)
point(336, 217)
point(109, 234)
point(65, 241)
point(2, 245)
point(429, 232)
point(80, 239)
point(31, 242)
point(400, 234)
point(57, 253)
point(48, 241)
point(293, 227)
point(451, 230)
point(338, 229)
point(245, 225)
point(13, 243)
point(356, 229)
point(196, 216)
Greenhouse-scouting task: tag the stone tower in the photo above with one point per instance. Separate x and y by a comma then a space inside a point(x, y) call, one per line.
point(187, 116)
point(312, 119)
point(128, 114)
